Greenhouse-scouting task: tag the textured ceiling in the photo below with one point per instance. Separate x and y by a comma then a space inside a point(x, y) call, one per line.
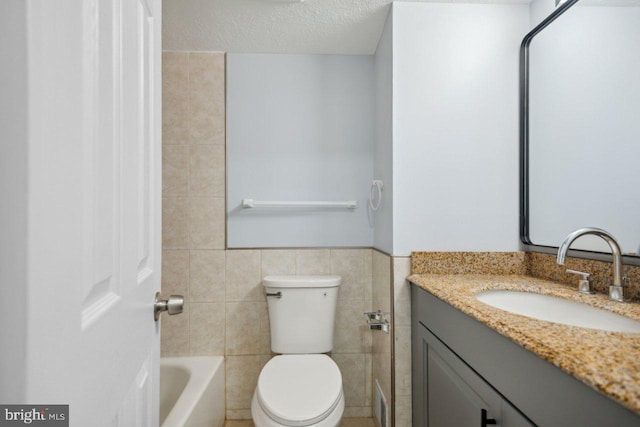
point(278, 26)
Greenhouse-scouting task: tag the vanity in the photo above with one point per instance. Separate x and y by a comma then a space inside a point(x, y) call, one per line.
point(477, 365)
point(474, 364)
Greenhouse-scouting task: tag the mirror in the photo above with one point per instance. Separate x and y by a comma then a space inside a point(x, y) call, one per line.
point(580, 127)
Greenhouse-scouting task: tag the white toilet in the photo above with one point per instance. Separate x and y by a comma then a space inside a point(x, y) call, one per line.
point(301, 386)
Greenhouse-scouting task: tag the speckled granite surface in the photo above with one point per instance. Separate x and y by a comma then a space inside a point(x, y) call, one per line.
point(468, 263)
point(545, 267)
point(525, 263)
point(606, 361)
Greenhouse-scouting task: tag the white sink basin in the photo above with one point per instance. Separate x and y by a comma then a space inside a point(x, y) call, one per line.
point(558, 310)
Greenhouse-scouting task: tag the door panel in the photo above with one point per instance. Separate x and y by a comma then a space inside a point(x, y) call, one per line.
point(451, 401)
point(454, 394)
point(93, 262)
point(101, 161)
point(136, 410)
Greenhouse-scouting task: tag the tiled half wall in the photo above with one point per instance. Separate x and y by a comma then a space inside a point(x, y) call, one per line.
point(226, 314)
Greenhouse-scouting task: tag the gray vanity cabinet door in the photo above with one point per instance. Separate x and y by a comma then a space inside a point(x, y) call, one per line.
point(454, 395)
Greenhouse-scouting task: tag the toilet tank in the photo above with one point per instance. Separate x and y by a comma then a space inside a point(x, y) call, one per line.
point(302, 312)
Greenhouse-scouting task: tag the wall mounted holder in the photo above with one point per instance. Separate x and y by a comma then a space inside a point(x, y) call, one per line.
point(377, 321)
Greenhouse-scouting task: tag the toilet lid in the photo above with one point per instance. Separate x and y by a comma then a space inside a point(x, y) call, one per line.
point(299, 390)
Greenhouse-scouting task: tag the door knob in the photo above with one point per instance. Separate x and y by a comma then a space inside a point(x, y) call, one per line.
point(173, 305)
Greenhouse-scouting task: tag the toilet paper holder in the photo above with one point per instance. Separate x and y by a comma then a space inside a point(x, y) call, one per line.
point(377, 320)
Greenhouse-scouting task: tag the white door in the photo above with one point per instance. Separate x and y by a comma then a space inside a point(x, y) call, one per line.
point(91, 213)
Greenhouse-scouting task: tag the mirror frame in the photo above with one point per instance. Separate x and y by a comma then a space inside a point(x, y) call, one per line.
point(526, 243)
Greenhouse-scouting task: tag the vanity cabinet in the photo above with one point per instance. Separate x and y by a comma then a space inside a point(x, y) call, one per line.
point(467, 375)
point(454, 395)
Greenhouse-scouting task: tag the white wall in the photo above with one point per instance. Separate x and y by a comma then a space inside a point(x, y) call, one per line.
point(455, 126)
point(299, 127)
point(13, 193)
point(383, 150)
point(446, 133)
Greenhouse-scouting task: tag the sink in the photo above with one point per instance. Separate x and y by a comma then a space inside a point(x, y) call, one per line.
point(558, 310)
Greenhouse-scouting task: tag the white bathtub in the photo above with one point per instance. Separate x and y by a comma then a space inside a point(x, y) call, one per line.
point(192, 391)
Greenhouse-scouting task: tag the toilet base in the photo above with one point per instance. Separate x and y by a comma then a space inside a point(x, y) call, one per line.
point(261, 419)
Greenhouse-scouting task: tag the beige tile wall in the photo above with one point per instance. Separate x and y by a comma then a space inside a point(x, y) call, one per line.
point(382, 342)
point(193, 229)
point(247, 333)
point(402, 341)
point(392, 293)
point(226, 311)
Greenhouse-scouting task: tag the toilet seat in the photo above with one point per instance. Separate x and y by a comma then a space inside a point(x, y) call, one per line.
point(299, 390)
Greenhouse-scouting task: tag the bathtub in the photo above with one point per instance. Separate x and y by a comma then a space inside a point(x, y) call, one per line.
point(192, 391)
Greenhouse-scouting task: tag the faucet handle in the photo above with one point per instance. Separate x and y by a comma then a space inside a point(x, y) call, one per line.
point(584, 275)
point(584, 284)
point(619, 293)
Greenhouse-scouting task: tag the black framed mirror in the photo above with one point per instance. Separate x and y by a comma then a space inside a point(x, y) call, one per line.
point(580, 128)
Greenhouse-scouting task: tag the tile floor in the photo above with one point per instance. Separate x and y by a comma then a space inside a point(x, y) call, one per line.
point(346, 422)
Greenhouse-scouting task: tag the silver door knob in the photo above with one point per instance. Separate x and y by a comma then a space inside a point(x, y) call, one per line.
point(173, 305)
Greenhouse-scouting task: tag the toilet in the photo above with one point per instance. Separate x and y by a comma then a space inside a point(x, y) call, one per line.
point(300, 386)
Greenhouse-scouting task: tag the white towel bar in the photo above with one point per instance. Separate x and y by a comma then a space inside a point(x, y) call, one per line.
point(250, 203)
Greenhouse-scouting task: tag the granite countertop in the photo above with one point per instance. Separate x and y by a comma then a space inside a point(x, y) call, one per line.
point(606, 361)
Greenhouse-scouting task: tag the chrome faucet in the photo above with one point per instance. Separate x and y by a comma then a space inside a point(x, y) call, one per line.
point(616, 290)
